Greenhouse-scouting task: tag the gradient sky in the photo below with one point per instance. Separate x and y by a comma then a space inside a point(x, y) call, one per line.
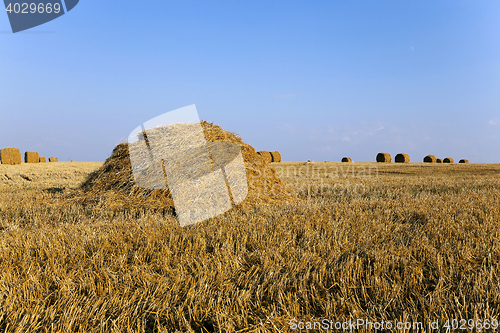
point(315, 80)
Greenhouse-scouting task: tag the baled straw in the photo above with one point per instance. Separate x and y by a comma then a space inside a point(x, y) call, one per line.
point(266, 155)
point(276, 156)
point(430, 159)
point(11, 156)
point(402, 158)
point(384, 158)
point(31, 157)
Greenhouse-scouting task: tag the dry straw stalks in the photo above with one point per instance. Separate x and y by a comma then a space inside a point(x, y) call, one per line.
point(422, 244)
point(113, 185)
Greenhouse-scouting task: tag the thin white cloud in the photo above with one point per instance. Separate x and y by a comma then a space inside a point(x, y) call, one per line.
point(494, 122)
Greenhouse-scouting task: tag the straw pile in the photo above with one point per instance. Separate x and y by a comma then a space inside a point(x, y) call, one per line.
point(114, 187)
point(438, 160)
point(463, 161)
point(31, 157)
point(276, 156)
point(346, 159)
point(53, 159)
point(384, 158)
point(430, 159)
point(10, 156)
point(266, 155)
point(43, 159)
point(402, 158)
point(448, 160)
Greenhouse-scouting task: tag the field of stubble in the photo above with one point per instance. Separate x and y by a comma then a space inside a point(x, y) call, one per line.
point(400, 243)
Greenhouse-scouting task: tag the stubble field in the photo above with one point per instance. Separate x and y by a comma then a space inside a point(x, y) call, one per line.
point(393, 242)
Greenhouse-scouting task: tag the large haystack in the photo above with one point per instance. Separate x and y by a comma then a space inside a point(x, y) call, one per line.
point(430, 159)
point(438, 160)
point(266, 155)
point(276, 156)
point(402, 158)
point(114, 185)
point(346, 159)
point(43, 159)
point(448, 160)
point(53, 159)
point(384, 158)
point(31, 157)
point(463, 161)
point(10, 156)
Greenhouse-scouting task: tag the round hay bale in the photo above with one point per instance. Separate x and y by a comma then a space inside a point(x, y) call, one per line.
point(463, 161)
point(438, 160)
point(430, 159)
point(402, 158)
point(266, 155)
point(448, 160)
point(384, 158)
point(276, 156)
point(346, 159)
point(42, 159)
point(113, 185)
point(53, 159)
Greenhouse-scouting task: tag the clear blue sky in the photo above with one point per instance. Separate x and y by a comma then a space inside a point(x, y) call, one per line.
point(315, 80)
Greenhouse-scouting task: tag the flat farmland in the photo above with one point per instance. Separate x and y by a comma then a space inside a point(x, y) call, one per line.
point(394, 242)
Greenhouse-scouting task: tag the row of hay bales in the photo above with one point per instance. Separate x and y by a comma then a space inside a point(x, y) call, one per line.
point(405, 158)
point(433, 159)
point(12, 156)
point(270, 156)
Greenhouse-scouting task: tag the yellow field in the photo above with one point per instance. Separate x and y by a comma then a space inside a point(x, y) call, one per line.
point(400, 243)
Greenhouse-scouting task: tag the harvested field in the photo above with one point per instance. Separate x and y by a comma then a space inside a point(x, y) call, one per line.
point(10, 156)
point(346, 159)
point(31, 157)
point(419, 243)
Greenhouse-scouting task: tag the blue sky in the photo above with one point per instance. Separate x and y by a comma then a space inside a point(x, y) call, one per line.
point(315, 80)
